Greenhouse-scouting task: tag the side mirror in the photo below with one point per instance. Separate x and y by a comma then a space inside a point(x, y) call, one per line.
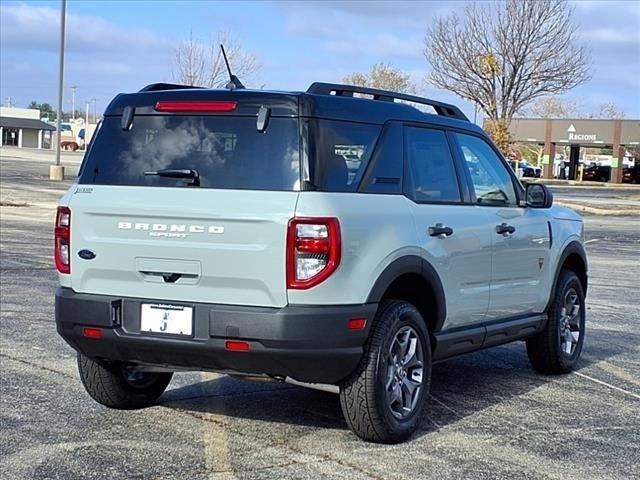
point(538, 196)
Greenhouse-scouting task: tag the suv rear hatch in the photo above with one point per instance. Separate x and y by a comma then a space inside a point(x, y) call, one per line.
point(182, 198)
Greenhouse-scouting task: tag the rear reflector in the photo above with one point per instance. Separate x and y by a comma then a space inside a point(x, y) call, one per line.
point(357, 323)
point(192, 106)
point(236, 346)
point(93, 333)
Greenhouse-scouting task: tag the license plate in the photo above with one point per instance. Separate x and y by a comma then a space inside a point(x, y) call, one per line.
point(169, 319)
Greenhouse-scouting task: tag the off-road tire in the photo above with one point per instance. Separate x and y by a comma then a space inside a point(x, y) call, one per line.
point(107, 383)
point(363, 397)
point(544, 349)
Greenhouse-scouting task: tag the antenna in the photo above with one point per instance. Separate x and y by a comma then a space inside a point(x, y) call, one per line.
point(234, 82)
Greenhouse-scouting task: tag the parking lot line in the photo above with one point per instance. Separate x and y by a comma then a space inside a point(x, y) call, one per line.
point(595, 380)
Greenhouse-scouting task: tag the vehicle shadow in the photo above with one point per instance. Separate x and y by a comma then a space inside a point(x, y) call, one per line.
point(460, 388)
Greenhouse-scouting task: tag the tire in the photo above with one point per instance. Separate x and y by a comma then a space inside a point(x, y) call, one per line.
point(556, 350)
point(364, 396)
point(110, 384)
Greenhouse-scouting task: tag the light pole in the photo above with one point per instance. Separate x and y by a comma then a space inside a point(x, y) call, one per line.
point(73, 101)
point(95, 114)
point(56, 172)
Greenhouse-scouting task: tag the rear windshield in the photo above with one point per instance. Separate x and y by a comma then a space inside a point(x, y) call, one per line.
point(227, 152)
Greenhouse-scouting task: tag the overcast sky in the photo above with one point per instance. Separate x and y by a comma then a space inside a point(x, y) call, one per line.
point(120, 46)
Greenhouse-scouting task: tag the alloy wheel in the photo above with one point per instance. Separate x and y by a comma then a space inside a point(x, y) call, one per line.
point(569, 322)
point(405, 367)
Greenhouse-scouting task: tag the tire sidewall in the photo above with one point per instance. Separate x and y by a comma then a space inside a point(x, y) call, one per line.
point(403, 315)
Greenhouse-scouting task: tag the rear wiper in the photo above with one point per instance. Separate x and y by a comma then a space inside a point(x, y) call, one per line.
point(187, 173)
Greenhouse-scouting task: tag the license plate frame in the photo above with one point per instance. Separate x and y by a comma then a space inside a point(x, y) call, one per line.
point(166, 319)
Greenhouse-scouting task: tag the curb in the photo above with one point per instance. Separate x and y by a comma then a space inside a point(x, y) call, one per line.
point(600, 211)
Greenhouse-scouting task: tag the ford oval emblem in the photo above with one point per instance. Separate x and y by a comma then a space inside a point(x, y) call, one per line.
point(86, 254)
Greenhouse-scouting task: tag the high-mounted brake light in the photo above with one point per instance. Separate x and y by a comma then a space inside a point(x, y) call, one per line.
point(194, 106)
point(313, 251)
point(62, 241)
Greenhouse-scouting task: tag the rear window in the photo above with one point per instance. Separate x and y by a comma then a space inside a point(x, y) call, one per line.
point(340, 152)
point(227, 152)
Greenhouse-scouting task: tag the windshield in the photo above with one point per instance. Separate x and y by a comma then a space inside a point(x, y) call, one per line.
point(227, 152)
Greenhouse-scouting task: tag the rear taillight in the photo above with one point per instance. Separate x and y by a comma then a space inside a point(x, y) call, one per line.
point(62, 242)
point(313, 251)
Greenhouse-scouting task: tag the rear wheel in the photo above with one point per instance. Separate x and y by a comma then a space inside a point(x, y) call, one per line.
point(385, 398)
point(557, 348)
point(117, 385)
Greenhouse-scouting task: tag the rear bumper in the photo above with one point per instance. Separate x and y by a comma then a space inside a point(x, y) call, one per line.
point(308, 343)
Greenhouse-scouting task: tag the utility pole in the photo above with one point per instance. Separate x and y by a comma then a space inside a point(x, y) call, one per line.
point(73, 101)
point(95, 114)
point(56, 172)
point(86, 129)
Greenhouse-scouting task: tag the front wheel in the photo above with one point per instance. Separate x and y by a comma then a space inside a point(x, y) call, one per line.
point(557, 348)
point(117, 385)
point(385, 399)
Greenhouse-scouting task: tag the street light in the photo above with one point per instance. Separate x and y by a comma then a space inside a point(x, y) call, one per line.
point(56, 172)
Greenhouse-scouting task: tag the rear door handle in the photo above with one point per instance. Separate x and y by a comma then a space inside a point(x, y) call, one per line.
point(504, 229)
point(439, 230)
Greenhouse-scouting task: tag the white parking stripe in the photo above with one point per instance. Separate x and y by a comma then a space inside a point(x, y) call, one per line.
point(595, 380)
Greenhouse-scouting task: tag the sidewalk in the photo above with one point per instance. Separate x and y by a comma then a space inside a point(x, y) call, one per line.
point(552, 182)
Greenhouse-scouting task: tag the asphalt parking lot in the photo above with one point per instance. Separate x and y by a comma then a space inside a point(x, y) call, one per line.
point(491, 415)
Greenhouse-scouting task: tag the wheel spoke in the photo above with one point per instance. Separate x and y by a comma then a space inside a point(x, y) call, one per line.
point(575, 336)
point(411, 351)
point(396, 395)
point(390, 376)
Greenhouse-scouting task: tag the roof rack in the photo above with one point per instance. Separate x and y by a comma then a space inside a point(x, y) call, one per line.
point(443, 109)
point(154, 87)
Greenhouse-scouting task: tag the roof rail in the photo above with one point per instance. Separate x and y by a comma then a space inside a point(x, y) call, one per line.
point(154, 87)
point(443, 109)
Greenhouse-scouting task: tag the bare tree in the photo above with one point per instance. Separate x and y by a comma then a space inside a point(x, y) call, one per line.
point(609, 110)
point(201, 64)
point(504, 55)
point(553, 107)
point(383, 76)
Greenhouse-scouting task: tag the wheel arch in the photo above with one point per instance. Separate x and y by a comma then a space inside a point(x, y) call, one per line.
point(574, 258)
point(413, 279)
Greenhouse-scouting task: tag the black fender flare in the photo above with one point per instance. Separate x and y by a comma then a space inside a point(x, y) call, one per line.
point(419, 266)
point(573, 247)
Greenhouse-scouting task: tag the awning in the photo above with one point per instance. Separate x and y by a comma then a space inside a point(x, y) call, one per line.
point(30, 123)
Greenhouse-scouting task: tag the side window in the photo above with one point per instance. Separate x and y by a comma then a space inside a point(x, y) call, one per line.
point(491, 180)
point(433, 175)
point(340, 153)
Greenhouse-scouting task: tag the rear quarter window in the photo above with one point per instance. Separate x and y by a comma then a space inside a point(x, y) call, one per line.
point(340, 152)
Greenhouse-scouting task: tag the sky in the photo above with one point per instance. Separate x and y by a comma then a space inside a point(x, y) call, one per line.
point(120, 46)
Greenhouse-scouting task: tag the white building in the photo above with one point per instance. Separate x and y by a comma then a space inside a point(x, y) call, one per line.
point(22, 128)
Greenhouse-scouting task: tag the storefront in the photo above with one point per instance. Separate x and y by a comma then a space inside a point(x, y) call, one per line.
point(550, 134)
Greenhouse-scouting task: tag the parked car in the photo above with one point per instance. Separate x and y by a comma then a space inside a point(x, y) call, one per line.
point(631, 174)
point(597, 173)
point(529, 170)
point(318, 238)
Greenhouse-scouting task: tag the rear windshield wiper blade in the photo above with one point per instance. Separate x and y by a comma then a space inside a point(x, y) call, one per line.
point(185, 173)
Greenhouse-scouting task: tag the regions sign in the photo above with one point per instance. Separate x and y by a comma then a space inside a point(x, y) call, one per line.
point(581, 137)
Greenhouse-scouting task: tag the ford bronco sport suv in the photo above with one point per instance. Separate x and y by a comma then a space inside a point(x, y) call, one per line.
point(341, 238)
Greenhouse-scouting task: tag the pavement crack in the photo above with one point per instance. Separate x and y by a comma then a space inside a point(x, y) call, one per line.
point(36, 365)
